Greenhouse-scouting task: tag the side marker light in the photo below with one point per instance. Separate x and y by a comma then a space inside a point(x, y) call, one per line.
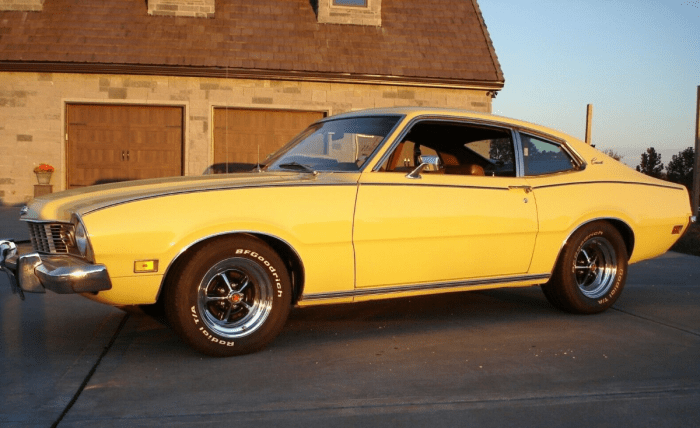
point(144, 266)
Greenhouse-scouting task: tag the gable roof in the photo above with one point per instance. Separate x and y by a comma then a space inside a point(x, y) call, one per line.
point(439, 42)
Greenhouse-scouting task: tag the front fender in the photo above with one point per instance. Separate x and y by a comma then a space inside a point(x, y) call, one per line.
point(315, 221)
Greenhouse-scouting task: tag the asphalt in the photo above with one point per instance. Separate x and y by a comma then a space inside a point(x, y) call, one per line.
point(495, 358)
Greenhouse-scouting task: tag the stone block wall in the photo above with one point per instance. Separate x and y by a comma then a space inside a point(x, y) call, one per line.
point(187, 8)
point(22, 5)
point(33, 105)
point(330, 13)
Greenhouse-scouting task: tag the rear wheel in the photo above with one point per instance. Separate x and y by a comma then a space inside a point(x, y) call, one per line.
point(591, 271)
point(232, 297)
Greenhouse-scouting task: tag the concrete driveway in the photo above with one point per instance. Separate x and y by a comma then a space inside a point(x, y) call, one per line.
point(494, 358)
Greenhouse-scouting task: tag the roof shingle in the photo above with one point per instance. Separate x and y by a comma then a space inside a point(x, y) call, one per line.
point(419, 39)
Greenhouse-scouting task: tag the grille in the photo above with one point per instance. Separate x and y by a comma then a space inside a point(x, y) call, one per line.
point(51, 238)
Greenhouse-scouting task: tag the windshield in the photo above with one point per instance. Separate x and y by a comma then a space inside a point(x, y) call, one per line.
point(334, 145)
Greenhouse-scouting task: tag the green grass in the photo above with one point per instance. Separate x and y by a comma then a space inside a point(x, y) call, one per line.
point(690, 242)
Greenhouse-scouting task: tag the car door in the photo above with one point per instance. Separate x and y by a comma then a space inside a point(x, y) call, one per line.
point(473, 217)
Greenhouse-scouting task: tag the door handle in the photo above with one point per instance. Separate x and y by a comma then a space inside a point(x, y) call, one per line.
point(123, 155)
point(127, 155)
point(526, 189)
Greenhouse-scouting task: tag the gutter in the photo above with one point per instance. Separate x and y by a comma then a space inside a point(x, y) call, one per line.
point(244, 73)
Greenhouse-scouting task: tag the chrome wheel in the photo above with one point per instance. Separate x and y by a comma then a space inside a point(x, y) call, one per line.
point(235, 298)
point(596, 267)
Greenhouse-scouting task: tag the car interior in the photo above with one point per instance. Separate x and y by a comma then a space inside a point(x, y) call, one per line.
point(463, 150)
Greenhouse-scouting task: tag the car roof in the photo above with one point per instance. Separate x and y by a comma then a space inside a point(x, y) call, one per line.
point(413, 112)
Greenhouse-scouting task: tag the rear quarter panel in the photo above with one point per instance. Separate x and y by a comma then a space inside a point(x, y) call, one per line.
point(649, 207)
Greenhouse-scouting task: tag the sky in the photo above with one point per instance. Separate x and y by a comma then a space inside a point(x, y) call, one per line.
point(637, 62)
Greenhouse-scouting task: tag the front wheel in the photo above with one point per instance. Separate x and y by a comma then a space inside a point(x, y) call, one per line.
point(232, 297)
point(591, 271)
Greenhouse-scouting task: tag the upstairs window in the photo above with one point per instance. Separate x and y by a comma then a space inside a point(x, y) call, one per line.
point(361, 3)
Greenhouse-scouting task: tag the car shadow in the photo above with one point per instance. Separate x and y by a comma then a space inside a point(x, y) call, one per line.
point(470, 310)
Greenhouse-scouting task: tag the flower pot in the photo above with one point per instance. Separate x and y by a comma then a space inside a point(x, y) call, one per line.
point(43, 177)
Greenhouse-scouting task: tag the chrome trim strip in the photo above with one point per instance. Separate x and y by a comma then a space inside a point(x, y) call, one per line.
point(423, 287)
point(519, 155)
point(423, 184)
point(574, 183)
point(393, 144)
point(541, 135)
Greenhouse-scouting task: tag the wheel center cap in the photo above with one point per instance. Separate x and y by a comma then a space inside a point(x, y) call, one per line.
point(236, 298)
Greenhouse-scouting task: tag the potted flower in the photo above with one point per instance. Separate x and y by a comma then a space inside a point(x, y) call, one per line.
point(43, 173)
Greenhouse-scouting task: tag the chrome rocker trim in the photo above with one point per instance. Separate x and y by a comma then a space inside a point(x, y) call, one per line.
point(35, 273)
point(359, 292)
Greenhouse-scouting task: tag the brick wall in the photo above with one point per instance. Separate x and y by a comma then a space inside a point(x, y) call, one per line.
point(33, 106)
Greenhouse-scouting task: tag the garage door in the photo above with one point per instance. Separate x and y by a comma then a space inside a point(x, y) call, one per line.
point(240, 133)
point(108, 143)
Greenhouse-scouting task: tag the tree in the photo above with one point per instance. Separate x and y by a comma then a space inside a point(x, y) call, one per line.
point(613, 154)
point(651, 164)
point(680, 169)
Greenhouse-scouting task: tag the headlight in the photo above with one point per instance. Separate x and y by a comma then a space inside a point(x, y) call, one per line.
point(81, 240)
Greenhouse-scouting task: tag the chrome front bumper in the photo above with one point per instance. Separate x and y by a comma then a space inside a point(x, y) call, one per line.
point(35, 273)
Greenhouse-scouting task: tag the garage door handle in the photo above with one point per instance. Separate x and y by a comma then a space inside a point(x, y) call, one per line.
point(123, 155)
point(127, 155)
point(526, 189)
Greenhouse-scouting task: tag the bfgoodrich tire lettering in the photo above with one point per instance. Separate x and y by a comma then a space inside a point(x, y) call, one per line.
point(591, 271)
point(232, 297)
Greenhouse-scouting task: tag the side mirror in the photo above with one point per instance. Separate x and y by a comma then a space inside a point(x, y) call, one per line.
point(425, 161)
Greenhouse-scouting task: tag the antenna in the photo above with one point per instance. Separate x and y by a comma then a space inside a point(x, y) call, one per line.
point(257, 166)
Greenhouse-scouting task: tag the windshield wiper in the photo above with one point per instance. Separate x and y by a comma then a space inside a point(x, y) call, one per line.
point(298, 167)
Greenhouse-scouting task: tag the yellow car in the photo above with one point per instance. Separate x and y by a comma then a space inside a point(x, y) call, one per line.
point(364, 205)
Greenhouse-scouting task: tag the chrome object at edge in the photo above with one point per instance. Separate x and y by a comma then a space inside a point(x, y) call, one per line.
point(61, 274)
point(8, 256)
point(425, 161)
point(67, 275)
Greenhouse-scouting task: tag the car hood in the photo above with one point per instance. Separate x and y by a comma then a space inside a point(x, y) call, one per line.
point(61, 205)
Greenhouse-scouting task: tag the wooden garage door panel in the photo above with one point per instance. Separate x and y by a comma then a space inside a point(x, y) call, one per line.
point(239, 133)
point(115, 143)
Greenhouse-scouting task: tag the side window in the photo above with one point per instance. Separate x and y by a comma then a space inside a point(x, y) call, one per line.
point(497, 150)
point(463, 148)
point(543, 157)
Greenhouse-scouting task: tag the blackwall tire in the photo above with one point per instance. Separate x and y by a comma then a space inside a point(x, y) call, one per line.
point(591, 271)
point(232, 297)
